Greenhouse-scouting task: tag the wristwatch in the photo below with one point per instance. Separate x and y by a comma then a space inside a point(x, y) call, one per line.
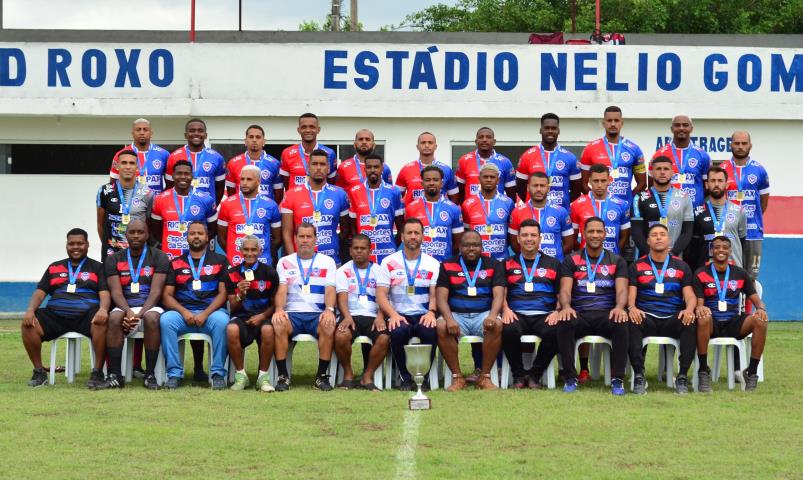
point(331, 309)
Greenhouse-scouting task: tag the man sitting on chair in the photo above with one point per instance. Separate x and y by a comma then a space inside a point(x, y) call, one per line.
point(469, 294)
point(356, 300)
point(79, 302)
point(305, 304)
point(719, 287)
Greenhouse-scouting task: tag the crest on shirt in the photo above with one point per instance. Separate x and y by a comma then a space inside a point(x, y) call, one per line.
point(626, 156)
point(328, 203)
point(208, 269)
point(752, 178)
point(500, 212)
point(261, 212)
point(207, 166)
point(265, 174)
point(136, 202)
point(611, 215)
point(445, 216)
point(147, 271)
point(483, 274)
point(731, 218)
point(676, 204)
point(157, 164)
point(195, 209)
point(560, 164)
point(385, 203)
point(541, 272)
point(316, 272)
point(261, 285)
point(84, 276)
point(692, 162)
point(733, 285)
point(550, 221)
point(671, 272)
point(603, 269)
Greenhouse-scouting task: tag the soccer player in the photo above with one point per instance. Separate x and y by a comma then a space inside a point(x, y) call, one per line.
point(208, 166)
point(249, 213)
point(533, 282)
point(177, 207)
point(689, 162)
point(305, 303)
point(79, 302)
point(195, 296)
point(442, 220)
point(661, 302)
point(554, 223)
point(718, 216)
point(136, 277)
point(488, 213)
point(664, 204)
point(270, 183)
point(470, 164)
point(351, 172)
point(251, 288)
point(375, 206)
point(719, 287)
point(558, 163)
point(356, 299)
point(151, 158)
point(320, 204)
point(600, 203)
point(410, 181)
point(405, 291)
point(470, 292)
point(593, 296)
point(119, 203)
point(623, 157)
point(293, 166)
point(749, 186)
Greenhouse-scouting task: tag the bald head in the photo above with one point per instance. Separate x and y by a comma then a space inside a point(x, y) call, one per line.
point(741, 135)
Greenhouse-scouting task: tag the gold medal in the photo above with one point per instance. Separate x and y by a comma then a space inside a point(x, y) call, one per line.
point(182, 227)
point(681, 178)
point(489, 229)
point(410, 289)
point(472, 291)
point(249, 229)
point(135, 287)
point(740, 195)
point(305, 290)
point(196, 285)
point(591, 287)
point(126, 219)
point(722, 306)
point(71, 288)
point(659, 288)
point(363, 299)
point(719, 234)
point(141, 179)
point(664, 221)
point(373, 221)
point(196, 182)
point(249, 275)
point(316, 216)
point(528, 286)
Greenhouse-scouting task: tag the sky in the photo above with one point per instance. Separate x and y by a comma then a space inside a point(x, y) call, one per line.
point(210, 14)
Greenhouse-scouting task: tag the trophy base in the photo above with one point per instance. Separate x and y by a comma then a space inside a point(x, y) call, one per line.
point(420, 404)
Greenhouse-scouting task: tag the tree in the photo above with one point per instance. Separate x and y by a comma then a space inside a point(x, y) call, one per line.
point(313, 26)
point(634, 16)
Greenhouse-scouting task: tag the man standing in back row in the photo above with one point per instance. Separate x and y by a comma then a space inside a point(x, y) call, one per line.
point(151, 158)
point(295, 159)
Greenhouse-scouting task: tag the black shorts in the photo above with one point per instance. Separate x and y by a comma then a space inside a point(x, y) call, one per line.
point(729, 328)
point(54, 325)
point(363, 327)
point(248, 334)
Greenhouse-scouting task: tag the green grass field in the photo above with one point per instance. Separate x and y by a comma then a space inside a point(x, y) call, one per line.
point(66, 431)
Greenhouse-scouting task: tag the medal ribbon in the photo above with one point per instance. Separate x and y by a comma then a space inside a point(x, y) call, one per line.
point(435, 209)
point(719, 223)
point(721, 290)
point(135, 274)
point(549, 167)
point(529, 274)
point(411, 278)
point(305, 277)
point(592, 273)
point(678, 159)
point(662, 207)
point(362, 284)
point(196, 273)
point(125, 208)
point(196, 160)
point(613, 153)
point(182, 212)
point(471, 280)
point(659, 276)
point(249, 217)
point(74, 275)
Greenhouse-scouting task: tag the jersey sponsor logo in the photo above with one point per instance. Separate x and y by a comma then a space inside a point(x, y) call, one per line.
point(474, 189)
point(547, 237)
point(610, 232)
point(550, 220)
point(418, 193)
point(500, 212)
point(325, 219)
point(653, 205)
point(381, 218)
point(185, 271)
point(157, 164)
point(497, 229)
point(261, 212)
point(259, 228)
point(752, 178)
point(444, 216)
point(195, 209)
point(611, 215)
point(299, 179)
point(557, 181)
point(113, 199)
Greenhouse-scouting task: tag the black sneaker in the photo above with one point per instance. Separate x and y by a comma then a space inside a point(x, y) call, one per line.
point(704, 381)
point(150, 382)
point(95, 379)
point(112, 381)
point(682, 385)
point(218, 382)
point(282, 384)
point(138, 372)
point(322, 383)
point(173, 383)
point(407, 386)
point(200, 377)
point(750, 381)
point(639, 385)
point(39, 378)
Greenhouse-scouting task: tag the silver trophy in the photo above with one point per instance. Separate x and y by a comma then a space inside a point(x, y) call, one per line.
point(418, 363)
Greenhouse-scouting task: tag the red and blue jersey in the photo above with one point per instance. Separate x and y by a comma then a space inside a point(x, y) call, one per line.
point(269, 179)
point(644, 275)
point(237, 213)
point(490, 219)
point(623, 159)
point(373, 211)
point(208, 167)
point(117, 264)
point(602, 272)
point(691, 166)
point(738, 282)
point(151, 164)
point(745, 186)
point(351, 172)
point(545, 279)
point(295, 163)
point(613, 211)
point(468, 171)
point(261, 289)
point(89, 279)
point(176, 212)
point(560, 165)
point(441, 220)
point(483, 274)
point(412, 187)
point(332, 203)
point(211, 273)
point(554, 221)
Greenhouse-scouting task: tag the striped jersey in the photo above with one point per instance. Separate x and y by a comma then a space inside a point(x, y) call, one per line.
point(395, 273)
point(317, 272)
point(357, 283)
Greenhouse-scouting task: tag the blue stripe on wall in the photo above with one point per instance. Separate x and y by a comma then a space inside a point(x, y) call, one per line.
point(781, 268)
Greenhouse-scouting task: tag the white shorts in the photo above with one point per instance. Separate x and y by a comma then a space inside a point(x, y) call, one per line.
point(141, 325)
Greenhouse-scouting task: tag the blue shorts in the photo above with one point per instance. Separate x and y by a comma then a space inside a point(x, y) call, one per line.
point(470, 323)
point(304, 322)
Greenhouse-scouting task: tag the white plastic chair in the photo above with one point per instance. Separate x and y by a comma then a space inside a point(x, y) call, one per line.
point(73, 362)
point(668, 350)
point(194, 336)
point(303, 337)
point(160, 371)
point(378, 374)
point(729, 343)
point(548, 376)
point(447, 374)
point(598, 353)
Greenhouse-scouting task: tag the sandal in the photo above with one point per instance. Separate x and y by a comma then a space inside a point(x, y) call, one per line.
point(370, 386)
point(349, 384)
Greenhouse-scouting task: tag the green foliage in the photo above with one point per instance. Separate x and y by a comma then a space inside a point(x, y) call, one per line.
point(634, 16)
point(313, 26)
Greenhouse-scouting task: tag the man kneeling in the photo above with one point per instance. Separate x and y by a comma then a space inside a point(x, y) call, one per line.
point(470, 293)
point(251, 287)
point(718, 287)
